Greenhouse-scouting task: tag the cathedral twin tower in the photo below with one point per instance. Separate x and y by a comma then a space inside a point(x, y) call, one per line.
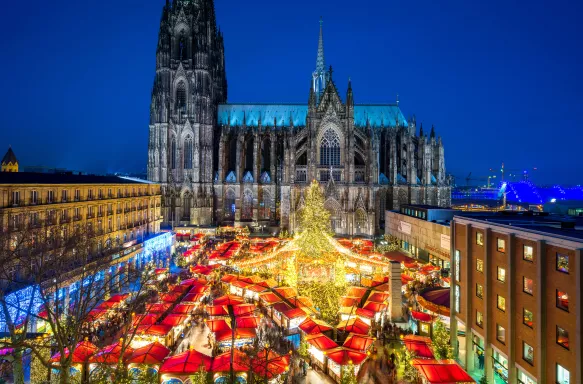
point(249, 164)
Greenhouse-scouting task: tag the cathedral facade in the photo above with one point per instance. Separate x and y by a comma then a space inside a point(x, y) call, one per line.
point(249, 164)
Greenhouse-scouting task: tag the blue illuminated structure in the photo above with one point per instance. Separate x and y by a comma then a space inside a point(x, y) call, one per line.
point(18, 304)
point(157, 244)
point(284, 115)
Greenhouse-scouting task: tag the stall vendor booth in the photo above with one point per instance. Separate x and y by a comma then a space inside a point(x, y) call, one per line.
point(441, 372)
point(270, 365)
point(420, 323)
point(340, 359)
point(276, 312)
point(149, 357)
point(243, 336)
point(80, 359)
point(147, 334)
point(419, 346)
point(292, 318)
point(319, 344)
point(221, 367)
point(178, 322)
point(252, 292)
point(312, 326)
point(359, 343)
point(238, 287)
point(110, 355)
point(354, 325)
point(183, 365)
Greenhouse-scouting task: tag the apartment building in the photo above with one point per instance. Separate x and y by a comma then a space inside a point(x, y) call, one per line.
point(517, 297)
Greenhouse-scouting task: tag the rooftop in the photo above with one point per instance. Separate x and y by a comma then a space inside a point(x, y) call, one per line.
point(9, 157)
point(63, 178)
point(558, 225)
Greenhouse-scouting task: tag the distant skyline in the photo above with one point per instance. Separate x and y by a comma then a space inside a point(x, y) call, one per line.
point(500, 80)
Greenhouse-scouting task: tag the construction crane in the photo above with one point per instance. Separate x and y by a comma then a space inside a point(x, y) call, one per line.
point(514, 172)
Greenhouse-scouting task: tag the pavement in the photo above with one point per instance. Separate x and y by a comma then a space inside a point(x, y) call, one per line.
point(197, 339)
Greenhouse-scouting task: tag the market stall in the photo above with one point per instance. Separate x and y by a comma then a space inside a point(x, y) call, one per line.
point(319, 344)
point(419, 346)
point(183, 365)
point(441, 372)
point(341, 358)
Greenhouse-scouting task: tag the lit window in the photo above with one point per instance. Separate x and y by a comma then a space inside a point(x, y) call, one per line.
point(563, 376)
point(500, 334)
point(501, 245)
point(562, 263)
point(528, 353)
point(501, 276)
point(479, 238)
point(330, 149)
point(479, 290)
point(479, 265)
point(528, 285)
point(501, 303)
point(563, 300)
point(528, 253)
point(527, 317)
point(562, 337)
point(457, 298)
point(457, 265)
point(479, 319)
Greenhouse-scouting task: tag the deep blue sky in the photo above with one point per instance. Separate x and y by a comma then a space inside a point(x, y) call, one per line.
point(500, 79)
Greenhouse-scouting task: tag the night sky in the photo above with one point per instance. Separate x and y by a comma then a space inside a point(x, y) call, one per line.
point(500, 80)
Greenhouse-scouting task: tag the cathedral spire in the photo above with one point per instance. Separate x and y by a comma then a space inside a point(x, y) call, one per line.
point(319, 75)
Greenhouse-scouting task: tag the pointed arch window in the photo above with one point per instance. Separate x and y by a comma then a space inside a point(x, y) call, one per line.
point(173, 154)
point(229, 205)
point(330, 149)
point(247, 211)
point(181, 97)
point(188, 153)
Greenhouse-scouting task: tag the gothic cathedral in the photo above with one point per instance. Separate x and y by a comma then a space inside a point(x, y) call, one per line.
point(248, 164)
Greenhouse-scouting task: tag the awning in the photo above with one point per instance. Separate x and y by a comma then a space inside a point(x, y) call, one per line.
point(282, 307)
point(375, 307)
point(247, 322)
point(269, 364)
point(151, 354)
point(145, 319)
point(270, 298)
point(419, 345)
point(186, 363)
point(313, 326)
point(217, 325)
point(244, 309)
point(348, 301)
point(174, 320)
point(346, 356)
point(83, 351)
point(358, 342)
point(157, 307)
point(170, 297)
point(183, 309)
point(286, 292)
point(217, 310)
point(111, 354)
point(366, 313)
point(294, 313)
point(378, 297)
point(356, 292)
point(354, 325)
point(222, 362)
point(228, 300)
point(421, 316)
point(442, 371)
point(240, 333)
point(321, 342)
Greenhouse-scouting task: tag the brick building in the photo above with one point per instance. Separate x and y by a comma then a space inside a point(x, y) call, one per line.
point(516, 299)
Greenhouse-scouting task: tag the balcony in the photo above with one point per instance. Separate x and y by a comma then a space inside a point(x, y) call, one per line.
point(324, 174)
point(77, 217)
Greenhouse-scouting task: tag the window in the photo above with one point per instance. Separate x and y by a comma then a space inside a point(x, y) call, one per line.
point(527, 285)
point(457, 265)
point(15, 197)
point(479, 238)
point(563, 376)
point(500, 334)
point(562, 337)
point(479, 319)
point(100, 194)
point(33, 197)
point(501, 303)
point(90, 194)
point(64, 195)
point(528, 253)
point(480, 265)
point(188, 153)
point(501, 275)
point(501, 245)
point(479, 291)
point(562, 263)
point(527, 317)
point(50, 196)
point(457, 298)
point(330, 148)
point(77, 195)
point(528, 353)
point(109, 193)
point(563, 300)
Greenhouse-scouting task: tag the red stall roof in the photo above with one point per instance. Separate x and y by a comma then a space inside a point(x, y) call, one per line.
point(174, 319)
point(154, 329)
point(364, 313)
point(442, 371)
point(378, 297)
point(258, 288)
point(294, 313)
point(244, 309)
point(183, 309)
point(375, 307)
point(222, 362)
point(147, 319)
point(170, 297)
point(398, 256)
point(217, 325)
point(356, 291)
point(247, 322)
point(270, 298)
point(111, 354)
point(313, 326)
point(348, 301)
point(151, 354)
point(240, 284)
point(83, 351)
point(354, 326)
point(358, 342)
point(345, 356)
point(286, 292)
point(419, 345)
point(217, 310)
point(421, 316)
point(240, 333)
point(282, 307)
point(321, 341)
point(228, 300)
point(186, 363)
point(192, 297)
point(157, 307)
point(270, 363)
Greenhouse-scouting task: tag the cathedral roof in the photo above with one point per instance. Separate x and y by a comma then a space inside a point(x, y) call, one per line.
point(9, 157)
point(233, 114)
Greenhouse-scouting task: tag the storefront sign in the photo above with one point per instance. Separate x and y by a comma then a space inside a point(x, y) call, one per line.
point(445, 242)
point(404, 227)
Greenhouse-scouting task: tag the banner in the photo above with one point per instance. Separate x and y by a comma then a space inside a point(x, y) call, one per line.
point(404, 227)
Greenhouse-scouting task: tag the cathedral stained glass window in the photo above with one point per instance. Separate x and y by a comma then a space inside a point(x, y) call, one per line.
point(188, 153)
point(247, 212)
point(330, 149)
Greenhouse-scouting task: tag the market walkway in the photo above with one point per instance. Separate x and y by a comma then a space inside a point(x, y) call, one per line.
point(197, 339)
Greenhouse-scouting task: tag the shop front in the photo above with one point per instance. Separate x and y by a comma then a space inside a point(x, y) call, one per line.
point(500, 365)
